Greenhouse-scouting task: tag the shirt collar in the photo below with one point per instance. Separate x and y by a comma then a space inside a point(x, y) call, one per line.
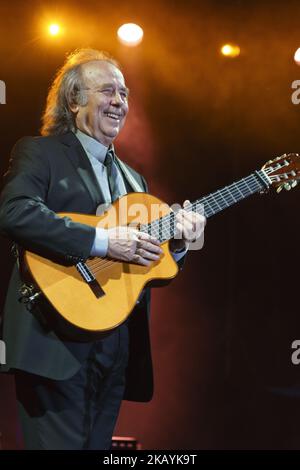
point(93, 146)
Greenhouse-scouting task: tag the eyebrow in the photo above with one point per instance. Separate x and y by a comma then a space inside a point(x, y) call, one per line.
point(123, 88)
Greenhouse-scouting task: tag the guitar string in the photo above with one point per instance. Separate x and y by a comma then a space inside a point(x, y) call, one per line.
point(251, 183)
point(101, 264)
point(242, 184)
point(219, 204)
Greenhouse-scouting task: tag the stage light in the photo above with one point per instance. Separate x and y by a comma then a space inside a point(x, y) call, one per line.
point(297, 56)
point(54, 29)
point(230, 50)
point(130, 34)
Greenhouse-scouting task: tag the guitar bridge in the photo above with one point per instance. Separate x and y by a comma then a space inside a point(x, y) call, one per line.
point(90, 279)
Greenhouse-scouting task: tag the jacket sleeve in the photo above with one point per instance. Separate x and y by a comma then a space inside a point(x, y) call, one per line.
point(24, 215)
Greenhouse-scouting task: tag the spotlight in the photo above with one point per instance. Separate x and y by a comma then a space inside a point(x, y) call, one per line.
point(130, 34)
point(230, 50)
point(297, 56)
point(54, 29)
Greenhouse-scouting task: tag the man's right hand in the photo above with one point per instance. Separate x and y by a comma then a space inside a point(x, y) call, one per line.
point(128, 244)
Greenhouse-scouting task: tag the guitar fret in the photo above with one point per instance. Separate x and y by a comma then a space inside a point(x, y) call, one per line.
point(231, 195)
point(250, 190)
point(236, 186)
point(214, 202)
point(219, 193)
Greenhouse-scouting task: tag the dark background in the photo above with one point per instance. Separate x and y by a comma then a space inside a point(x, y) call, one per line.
point(222, 331)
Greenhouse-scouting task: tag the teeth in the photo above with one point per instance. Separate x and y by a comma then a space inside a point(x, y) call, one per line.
point(113, 116)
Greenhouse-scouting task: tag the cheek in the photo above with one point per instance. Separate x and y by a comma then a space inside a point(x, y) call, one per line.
point(99, 114)
point(123, 121)
point(126, 109)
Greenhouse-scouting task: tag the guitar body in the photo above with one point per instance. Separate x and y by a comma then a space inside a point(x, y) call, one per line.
point(121, 282)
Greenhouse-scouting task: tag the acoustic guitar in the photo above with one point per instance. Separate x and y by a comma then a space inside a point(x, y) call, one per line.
point(98, 294)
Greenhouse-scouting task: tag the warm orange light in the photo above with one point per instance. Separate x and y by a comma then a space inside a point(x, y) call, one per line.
point(130, 34)
point(54, 29)
point(297, 56)
point(230, 50)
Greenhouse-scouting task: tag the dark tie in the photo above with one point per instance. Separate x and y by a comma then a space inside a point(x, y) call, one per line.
point(109, 162)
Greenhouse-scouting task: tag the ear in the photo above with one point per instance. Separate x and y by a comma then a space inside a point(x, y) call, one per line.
point(74, 107)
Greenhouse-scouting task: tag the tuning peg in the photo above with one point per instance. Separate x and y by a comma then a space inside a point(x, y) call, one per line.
point(294, 183)
point(287, 186)
point(279, 189)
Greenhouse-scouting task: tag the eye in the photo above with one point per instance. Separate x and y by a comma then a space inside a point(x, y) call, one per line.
point(111, 92)
point(107, 91)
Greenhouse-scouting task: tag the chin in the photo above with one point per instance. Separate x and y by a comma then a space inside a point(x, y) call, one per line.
point(112, 134)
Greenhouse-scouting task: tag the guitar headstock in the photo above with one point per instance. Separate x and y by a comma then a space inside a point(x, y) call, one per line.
point(283, 171)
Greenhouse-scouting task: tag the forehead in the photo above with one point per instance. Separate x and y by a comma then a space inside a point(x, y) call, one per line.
point(97, 72)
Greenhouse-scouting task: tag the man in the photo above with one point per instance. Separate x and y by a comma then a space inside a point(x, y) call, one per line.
point(69, 392)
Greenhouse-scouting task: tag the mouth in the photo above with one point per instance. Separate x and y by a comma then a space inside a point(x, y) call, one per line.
point(113, 116)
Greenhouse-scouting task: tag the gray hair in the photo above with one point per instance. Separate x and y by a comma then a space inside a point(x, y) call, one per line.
point(66, 89)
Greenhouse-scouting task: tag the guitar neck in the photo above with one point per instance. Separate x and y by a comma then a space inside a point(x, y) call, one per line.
point(164, 228)
point(228, 196)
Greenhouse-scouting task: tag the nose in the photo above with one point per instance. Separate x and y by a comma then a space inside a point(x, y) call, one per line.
point(117, 98)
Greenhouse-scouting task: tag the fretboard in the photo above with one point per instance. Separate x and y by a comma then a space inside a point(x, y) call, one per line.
point(164, 228)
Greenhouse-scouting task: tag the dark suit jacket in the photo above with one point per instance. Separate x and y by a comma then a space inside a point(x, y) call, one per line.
point(49, 175)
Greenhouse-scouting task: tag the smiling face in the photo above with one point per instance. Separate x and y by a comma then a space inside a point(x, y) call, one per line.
point(105, 113)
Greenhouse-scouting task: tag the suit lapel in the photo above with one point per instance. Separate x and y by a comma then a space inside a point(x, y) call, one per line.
point(81, 162)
